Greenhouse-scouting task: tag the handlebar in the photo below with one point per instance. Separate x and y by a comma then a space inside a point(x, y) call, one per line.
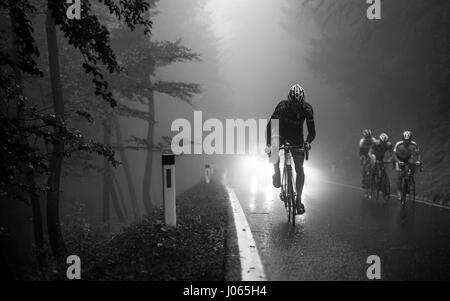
point(296, 148)
point(418, 164)
point(383, 162)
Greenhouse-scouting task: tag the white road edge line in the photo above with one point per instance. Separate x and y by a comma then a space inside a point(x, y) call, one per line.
point(251, 266)
point(392, 195)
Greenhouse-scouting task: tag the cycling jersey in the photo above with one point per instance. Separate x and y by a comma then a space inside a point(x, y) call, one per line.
point(365, 145)
point(404, 151)
point(379, 149)
point(291, 117)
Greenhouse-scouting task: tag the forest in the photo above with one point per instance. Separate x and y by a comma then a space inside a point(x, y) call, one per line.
point(68, 87)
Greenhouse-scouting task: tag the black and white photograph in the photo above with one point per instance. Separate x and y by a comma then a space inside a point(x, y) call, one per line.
point(224, 147)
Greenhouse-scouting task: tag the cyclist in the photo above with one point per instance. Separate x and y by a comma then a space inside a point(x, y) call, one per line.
point(405, 152)
point(292, 114)
point(379, 148)
point(365, 144)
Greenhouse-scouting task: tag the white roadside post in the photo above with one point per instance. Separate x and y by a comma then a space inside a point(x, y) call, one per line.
point(170, 214)
point(207, 173)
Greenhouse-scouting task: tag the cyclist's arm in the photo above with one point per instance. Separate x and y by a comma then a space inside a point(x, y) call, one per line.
point(390, 153)
point(361, 151)
point(310, 124)
point(394, 152)
point(275, 115)
point(417, 154)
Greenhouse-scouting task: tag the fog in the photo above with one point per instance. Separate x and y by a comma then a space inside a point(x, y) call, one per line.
point(229, 59)
point(257, 61)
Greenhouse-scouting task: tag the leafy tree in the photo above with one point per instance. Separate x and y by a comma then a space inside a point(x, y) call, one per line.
point(92, 40)
point(141, 61)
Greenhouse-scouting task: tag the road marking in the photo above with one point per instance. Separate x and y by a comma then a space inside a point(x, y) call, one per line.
point(392, 195)
point(251, 266)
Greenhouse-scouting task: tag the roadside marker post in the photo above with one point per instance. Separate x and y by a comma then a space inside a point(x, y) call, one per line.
point(169, 192)
point(207, 173)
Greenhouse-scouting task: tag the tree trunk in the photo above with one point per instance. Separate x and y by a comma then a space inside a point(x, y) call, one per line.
point(147, 181)
point(54, 180)
point(126, 168)
point(34, 197)
point(115, 199)
point(109, 194)
point(106, 172)
point(120, 195)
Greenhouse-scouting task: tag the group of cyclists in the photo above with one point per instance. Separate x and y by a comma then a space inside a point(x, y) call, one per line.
point(293, 112)
point(405, 153)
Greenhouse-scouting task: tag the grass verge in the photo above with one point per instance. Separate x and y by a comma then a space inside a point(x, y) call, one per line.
point(196, 250)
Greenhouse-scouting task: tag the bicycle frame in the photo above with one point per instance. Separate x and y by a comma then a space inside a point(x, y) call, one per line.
point(379, 180)
point(288, 193)
point(407, 183)
point(366, 174)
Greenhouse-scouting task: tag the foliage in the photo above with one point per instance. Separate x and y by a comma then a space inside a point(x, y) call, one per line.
point(150, 250)
point(394, 72)
point(25, 131)
point(407, 48)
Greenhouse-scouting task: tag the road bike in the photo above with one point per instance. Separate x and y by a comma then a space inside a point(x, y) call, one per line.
point(366, 171)
point(379, 181)
point(288, 194)
point(407, 182)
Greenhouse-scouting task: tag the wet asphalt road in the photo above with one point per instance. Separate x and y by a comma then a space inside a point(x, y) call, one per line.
point(340, 230)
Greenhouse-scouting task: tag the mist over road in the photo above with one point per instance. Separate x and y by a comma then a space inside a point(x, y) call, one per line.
point(340, 230)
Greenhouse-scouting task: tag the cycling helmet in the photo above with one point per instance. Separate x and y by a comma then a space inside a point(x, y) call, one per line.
point(296, 93)
point(407, 135)
point(367, 133)
point(384, 137)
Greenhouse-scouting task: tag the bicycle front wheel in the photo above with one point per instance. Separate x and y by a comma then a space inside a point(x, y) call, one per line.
point(404, 187)
point(411, 191)
point(291, 199)
point(386, 187)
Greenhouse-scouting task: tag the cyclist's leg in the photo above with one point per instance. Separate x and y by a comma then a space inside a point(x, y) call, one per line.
point(399, 181)
point(276, 178)
point(300, 180)
point(363, 171)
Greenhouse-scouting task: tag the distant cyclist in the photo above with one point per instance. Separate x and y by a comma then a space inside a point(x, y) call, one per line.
point(364, 147)
point(292, 114)
point(406, 152)
point(379, 148)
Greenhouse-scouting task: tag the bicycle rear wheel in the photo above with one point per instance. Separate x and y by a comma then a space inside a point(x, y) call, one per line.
point(386, 186)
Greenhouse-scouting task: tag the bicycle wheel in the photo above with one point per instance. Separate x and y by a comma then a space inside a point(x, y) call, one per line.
point(404, 190)
point(284, 194)
point(367, 178)
point(291, 198)
point(374, 183)
point(411, 191)
point(377, 186)
point(386, 186)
